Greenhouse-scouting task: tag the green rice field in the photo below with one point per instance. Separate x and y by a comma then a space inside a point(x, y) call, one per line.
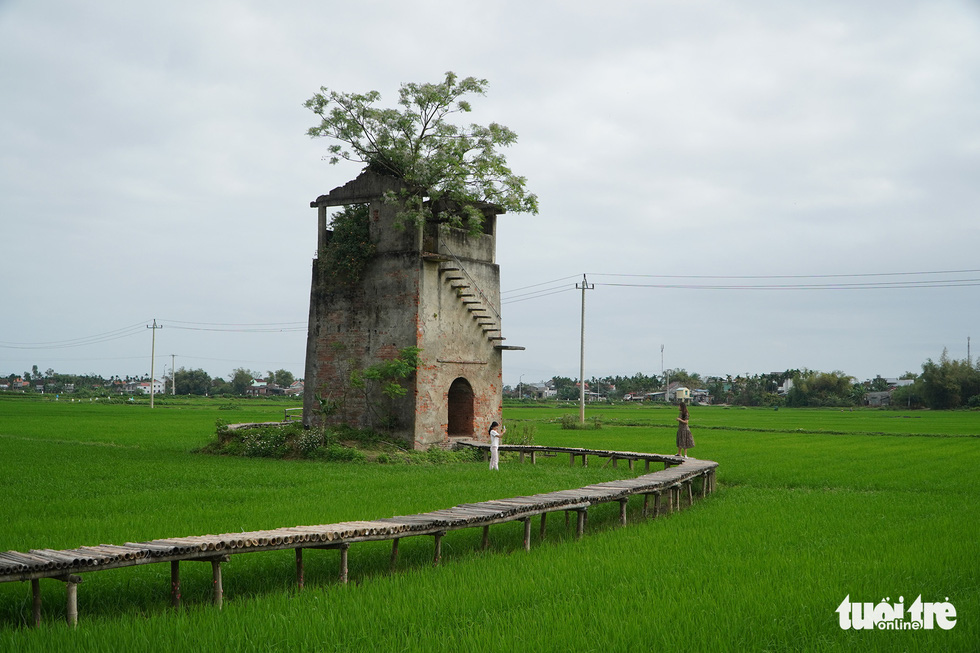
point(812, 506)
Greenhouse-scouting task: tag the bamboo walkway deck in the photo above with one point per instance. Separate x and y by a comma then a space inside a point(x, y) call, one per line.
point(677, 476)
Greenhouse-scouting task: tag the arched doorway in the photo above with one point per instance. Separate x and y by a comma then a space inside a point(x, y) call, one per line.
point(460, 408)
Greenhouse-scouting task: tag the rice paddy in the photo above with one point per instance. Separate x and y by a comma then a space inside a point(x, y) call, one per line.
point(812, 506)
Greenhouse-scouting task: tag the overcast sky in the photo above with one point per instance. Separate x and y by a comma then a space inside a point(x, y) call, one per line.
point(154, 165)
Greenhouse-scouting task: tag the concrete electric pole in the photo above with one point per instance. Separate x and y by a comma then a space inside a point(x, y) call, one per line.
point(153, 355)
point(581, 370)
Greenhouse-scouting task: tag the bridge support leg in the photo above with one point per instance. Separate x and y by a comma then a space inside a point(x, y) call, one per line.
point(175, 583)
point(394, 554)
point(544, 517)
point(690, 493)
point(646, 502)
point(622, 511)
point(656, 504)
point(522, 456)
point(35, 603)
point(71, 591)
point(343, 562)
point(534, 460)
point(647, 465)
point(527, 533)
point(437, 558)
point(486, 538)
point(580, 525)
point(300, 571)
point(219, 591)
point(630, 461)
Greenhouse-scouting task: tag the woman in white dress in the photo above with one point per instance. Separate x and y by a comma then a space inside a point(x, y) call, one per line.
point(495, 437)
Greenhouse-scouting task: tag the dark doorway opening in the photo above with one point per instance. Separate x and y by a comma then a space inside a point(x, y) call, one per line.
point(460, 408)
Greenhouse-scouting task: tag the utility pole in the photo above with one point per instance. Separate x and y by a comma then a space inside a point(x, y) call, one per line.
point(173, 374)
point(581, 370)
point(153, 355)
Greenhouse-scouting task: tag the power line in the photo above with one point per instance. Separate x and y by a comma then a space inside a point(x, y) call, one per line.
point(883, 285)
point(543, 283)
point(784, 276)
point(108, 336)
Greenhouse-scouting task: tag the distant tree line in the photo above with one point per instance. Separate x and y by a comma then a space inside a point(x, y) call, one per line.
point(186, 382)
point(943, 384)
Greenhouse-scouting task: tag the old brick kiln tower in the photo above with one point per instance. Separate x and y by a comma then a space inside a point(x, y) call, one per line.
point(434, 287)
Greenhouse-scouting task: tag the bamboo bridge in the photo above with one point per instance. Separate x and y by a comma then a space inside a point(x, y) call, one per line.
point(675, 480)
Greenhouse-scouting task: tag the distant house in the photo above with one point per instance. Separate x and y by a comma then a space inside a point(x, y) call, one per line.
point(259, 388)
point(295, 389)
point(878, 399)
point(784, 389)
point(674, 392)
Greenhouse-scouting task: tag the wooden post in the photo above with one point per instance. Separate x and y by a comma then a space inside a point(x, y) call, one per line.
point(486, 538)
point(216, 580)
point(522, 456)
point(534, 458)
point(300, 572)
point(544, 516)
point(615, 461)
point(437, 558)
point(580, 526)
point(527, 533)
point(175, 583)
point(630, 461)
point(647, 461)
point(656, 504)
point(566, 520)
point(394, 553)
point(585, 460)
point(704, 485)
point(646, 502)
point(571, 459)
point(71, 587)
point(343, 562)
point(690, 493)
point(36, 602)
point(622, 511)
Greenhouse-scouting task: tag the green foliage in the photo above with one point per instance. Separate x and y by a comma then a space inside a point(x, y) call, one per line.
point(571, 422)
point(815, 389)
point(949, 383)
point(455, 167)
point(350, 248)
point(799, 521)
point(385, 377)
point(192, 382)
point(520, 434)
point(241, 380)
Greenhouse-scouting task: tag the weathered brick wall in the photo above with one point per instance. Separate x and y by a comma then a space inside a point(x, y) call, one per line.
point(402, 300)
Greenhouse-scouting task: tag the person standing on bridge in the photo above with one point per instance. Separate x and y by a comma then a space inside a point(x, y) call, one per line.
point(685, 440)
point(495, 437)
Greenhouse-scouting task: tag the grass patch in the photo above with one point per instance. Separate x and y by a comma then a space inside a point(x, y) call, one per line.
point(800, 521)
